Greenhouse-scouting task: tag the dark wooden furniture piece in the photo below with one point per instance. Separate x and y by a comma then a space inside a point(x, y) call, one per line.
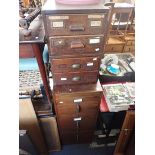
point(28, 121)
point(32, 46)
point(126, 133)
point(76, 38)
point(77, 109)
point(114, 45)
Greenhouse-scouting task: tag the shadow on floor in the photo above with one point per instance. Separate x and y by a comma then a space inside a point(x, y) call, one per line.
point(84, 149)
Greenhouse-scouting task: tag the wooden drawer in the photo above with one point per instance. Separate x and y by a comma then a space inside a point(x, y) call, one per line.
point(114, 48)
point(129, 48)
point(75, 45)
point(81, 99)
point(130, 43)
point(76, 24)
point(76, 108)
point(75, 64)
point(76, 122)
point(26, 51)
point(75, 137)
point(75, 78)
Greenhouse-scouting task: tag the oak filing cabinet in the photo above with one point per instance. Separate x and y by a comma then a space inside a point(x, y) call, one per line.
point(76, 38)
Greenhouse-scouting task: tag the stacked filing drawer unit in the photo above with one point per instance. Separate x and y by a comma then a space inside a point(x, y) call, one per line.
point(76, 37)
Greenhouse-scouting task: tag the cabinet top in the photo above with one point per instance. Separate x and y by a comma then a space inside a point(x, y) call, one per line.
point(51, 6)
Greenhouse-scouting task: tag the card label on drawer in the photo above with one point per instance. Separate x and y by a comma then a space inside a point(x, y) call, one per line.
point(95, 16)
point(94, 59)
point(63, 79)
point(97, 49)
point(78, 100)
point(57, 24)
point(95, 23)
point(58, 17)
point(94, 41)
point(77, 119)
point(90, 64)
point(59, 42)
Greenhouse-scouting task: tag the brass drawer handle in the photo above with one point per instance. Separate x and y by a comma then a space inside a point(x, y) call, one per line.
point(76, 66)
point(77, 78)
point(76, 28)
point(77, 44)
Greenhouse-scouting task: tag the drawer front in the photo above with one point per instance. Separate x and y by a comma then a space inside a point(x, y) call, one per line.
point(76, 24)
point(114, 48)
point(85, 99)
point(130, 43)
point(75, 137)
point(75, 64)
point(77, 108)
point(26, 51)
point(75, 78)
point(77, 122)
point(129, 48)
point(75, 45)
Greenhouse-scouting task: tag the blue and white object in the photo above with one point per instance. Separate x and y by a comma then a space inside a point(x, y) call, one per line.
point(113, 69)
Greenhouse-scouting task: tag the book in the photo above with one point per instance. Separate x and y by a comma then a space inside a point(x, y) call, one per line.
point(117, 97)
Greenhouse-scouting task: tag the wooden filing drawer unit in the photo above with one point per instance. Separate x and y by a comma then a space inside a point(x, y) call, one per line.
point(129, 48)
point(75, 45)
point(75, 64)
point(130, 44)
point(76, 24)
point(111, 48)
point(75, 33)
point(75, 77)
point(77, 107)
point(114, 44)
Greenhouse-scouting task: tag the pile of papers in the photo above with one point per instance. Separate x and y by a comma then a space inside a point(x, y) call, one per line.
point(119, 96)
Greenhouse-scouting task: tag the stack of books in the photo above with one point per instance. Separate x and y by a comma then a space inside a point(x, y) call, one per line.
point(119, 97)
